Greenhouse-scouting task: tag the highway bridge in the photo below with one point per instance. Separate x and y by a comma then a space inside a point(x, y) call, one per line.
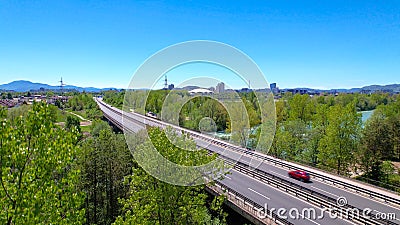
point(266, 195)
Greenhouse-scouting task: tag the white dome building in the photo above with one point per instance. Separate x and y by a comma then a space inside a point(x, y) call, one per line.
point(200, 91)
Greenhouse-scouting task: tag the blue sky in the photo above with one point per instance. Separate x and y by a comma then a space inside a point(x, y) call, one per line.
point(320, 44)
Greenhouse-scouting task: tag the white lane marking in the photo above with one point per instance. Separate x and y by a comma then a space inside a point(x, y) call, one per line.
point(259, 193)
point(319, 189)
point(312, 221)
point(224, 176)
point(338, 188)
point(321, 181)
point(302, 216)
point(277, 173)
point(316, 180)
point(277, 189)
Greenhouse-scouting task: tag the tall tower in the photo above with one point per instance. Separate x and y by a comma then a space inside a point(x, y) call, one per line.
point(61, 85)
point(165, 83)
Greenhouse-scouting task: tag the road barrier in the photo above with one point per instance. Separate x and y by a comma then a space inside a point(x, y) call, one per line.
point(307, 194)
point(248, 205)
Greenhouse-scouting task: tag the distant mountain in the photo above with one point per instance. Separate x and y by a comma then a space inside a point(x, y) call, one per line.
point(352, 90)
point(386, 88)
point(393, 88)
point(23, 86)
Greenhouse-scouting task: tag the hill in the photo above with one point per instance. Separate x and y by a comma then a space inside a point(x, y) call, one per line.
point(386, 88)
point(391, 88)
point(23, 86)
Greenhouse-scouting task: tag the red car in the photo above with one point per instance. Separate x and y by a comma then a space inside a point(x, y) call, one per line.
point(299, 175)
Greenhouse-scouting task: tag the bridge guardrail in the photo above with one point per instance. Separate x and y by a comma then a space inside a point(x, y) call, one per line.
point(334, 181)
point(306, 194)
point(249, 205)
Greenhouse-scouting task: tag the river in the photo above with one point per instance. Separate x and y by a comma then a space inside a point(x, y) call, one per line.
point(365, 115)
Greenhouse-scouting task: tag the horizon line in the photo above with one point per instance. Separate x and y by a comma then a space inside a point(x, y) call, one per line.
point(239, 88)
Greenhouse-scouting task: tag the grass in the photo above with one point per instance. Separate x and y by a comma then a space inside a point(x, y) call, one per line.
point(61, 116)
point(81, 113)
point(86, 129)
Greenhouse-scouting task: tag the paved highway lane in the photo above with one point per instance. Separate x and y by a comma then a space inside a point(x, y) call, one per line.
point(357, 200)
point(354, 199)
point(133, 127)
point(275, 198)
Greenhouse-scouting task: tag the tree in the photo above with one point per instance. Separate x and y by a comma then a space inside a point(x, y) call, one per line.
point(15, 113)
point(37, 175)
point(315, 132)
point(281, 143)
point(281, 111)
point(3, 112)
point(338, 145)
point(49, 94)
point(59, 104)
point(290, 140)
point(301, 107)
point(97, 126)
point(239, 124)
point(375, 144)
point(152, 201)
point(344, 99)
point(394, 133)
point(104, 162)
point(391, 115)
point(73, 123)
point(320, 118)
point(387, 169)
point(310, 154)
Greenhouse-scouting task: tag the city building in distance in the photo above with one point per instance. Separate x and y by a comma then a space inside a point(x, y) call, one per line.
point(200, 91)
point(274, 88)
point(220, 88)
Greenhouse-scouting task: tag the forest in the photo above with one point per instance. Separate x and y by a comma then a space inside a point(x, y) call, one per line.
point(53, 174)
